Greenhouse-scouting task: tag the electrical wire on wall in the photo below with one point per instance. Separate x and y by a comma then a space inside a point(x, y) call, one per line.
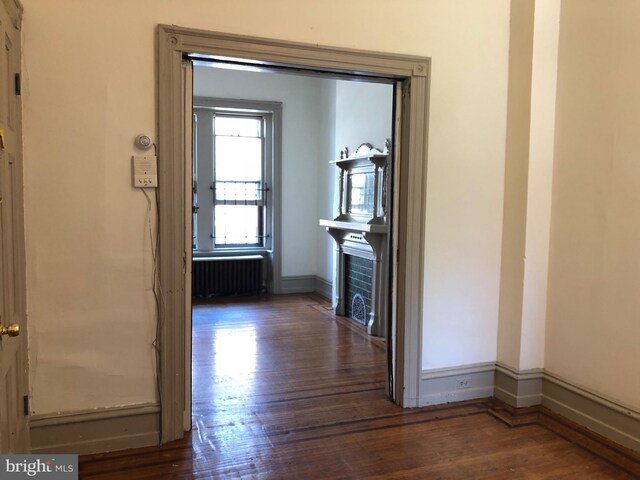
point(153, 228)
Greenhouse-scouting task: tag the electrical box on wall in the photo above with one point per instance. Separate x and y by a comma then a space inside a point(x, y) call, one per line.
point(145, 171)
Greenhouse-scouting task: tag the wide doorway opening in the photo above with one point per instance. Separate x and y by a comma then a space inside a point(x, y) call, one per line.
point(178, 48)
point(291, 221)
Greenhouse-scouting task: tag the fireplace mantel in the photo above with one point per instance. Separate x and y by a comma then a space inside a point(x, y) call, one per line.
point(355, 226)
point(361, 228)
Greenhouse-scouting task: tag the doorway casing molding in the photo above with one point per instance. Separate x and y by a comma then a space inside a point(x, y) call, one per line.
point(411, 75)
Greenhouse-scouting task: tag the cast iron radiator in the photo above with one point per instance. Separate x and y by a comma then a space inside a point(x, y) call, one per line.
point(226, 275)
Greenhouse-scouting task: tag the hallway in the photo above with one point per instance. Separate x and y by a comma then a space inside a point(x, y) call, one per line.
point(283, 390)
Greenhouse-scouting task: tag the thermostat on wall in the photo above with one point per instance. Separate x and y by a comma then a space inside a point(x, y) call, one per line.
point(143, 142)
point(145, 171)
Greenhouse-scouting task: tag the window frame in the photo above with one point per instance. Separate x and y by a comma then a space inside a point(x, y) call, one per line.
point(266, 127)
point(204, 220)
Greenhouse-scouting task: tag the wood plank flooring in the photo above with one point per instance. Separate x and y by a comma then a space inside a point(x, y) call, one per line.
point(281, 390)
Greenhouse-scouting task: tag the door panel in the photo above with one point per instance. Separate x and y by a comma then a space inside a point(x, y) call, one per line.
point(187, 79)
point(13, 365)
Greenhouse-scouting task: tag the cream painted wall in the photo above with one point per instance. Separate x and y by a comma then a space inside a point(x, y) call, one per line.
point(592, 327)
point(516, 178)
point(467, 134)
point(89, 88)
point(533, 62)
point(541, 145)
point(306, 125)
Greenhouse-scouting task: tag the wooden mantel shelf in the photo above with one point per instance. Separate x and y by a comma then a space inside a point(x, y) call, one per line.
point(355, 226)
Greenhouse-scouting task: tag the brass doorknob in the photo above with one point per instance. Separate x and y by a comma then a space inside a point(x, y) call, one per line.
point(12, 330)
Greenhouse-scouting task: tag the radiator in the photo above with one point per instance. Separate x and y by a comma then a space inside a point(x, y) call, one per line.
point(226, 275)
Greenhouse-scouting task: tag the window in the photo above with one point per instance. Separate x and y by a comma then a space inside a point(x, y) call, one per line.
point(238, 187)
point(233, 171)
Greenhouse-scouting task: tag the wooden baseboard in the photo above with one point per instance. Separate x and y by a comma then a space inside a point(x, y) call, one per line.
point(603, 447)
point(599, 445)
point(96, 430)
point(324, 288)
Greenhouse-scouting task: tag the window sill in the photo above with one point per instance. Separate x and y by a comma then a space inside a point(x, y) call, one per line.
point(232, 252)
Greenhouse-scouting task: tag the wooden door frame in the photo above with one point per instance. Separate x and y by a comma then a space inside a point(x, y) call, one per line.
point(173, 44)
point(13, 137)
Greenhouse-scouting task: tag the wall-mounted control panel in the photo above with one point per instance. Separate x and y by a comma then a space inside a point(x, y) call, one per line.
point(145, 171)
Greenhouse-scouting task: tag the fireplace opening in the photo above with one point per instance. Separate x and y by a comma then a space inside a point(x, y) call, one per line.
point(358, 287)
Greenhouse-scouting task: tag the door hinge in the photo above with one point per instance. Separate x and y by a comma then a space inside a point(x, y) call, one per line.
point(18, 84)
point(405, 89)
point(25, 405)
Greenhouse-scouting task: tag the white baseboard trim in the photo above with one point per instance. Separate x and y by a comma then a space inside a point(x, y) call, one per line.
point(96, 430)
point(324, 288)
point(306, 284)
point(467, 382)
point(298, 284)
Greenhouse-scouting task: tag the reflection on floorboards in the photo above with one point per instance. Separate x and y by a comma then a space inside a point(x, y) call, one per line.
point(283, 390)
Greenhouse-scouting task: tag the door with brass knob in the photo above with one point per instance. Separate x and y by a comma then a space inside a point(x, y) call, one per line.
point(14, 430)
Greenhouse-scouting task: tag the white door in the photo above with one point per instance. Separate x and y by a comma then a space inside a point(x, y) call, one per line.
point(14, 433)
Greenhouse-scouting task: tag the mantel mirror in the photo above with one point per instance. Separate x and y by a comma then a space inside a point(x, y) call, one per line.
point(363, 184)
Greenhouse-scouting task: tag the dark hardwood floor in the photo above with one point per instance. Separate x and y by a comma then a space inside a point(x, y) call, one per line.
point(283, 390)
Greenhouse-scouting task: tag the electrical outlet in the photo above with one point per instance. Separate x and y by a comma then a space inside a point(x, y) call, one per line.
point(463, 383)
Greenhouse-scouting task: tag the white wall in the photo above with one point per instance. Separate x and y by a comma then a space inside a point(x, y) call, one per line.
point(306, 128)
point(592, 326)
point(362, 113)
point(327, 187)
point(89, 88)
